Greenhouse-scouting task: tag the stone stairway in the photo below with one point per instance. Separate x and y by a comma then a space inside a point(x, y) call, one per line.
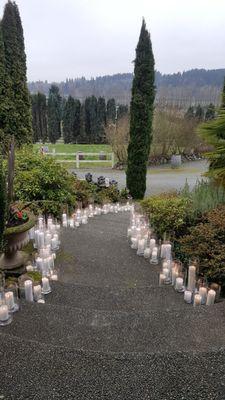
point(107, 331)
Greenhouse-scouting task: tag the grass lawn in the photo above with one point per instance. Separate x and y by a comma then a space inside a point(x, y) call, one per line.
point(73, 148)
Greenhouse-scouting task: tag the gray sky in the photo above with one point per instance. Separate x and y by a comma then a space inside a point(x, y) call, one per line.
point(73, 38)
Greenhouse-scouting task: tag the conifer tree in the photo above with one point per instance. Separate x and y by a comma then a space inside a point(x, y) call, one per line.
point(223, 96)
point(77, 121)
point(68, 120)
point(15, 66)
point(39, 117)
point(101, 120)
point(3, 201)
point(210, 112)
point(111, 111)
point(141, 115)
point(199, 113)
point(190, 114)
point(54, 114)
point(91, 125)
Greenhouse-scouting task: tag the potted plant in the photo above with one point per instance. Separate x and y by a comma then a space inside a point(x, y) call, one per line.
point(17, 225)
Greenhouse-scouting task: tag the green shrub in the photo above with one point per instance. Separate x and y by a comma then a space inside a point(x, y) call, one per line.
point(43, 182)
point(206, 242)
point(167, 212)
point(205, 196)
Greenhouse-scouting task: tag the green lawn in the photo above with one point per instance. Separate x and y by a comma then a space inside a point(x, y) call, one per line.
point(73, 148)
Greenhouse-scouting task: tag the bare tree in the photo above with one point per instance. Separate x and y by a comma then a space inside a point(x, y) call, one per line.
point(117, 135)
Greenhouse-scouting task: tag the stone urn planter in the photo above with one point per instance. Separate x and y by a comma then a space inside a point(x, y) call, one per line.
point(16, 238)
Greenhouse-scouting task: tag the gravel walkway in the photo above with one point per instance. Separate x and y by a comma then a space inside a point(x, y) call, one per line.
point(107, 331)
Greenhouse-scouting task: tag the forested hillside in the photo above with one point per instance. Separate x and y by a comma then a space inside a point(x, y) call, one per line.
point(190, 87)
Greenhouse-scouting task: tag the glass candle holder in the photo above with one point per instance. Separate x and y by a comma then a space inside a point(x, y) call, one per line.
point(11, 297)
point(217, 288)
point(154, 256)
point(5, 315)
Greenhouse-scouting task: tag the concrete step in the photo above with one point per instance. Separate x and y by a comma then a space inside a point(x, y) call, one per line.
point(32, 370)
point(110, 298)
point(198, 329)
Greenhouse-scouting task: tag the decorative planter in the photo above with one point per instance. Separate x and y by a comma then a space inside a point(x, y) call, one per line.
point(176, 161)
point(16, 238)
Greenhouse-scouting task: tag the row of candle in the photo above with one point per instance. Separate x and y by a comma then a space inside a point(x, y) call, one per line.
point(140, 235)
point(193, 294)
point(46, 239)
point(81, 216)
point(141, 238)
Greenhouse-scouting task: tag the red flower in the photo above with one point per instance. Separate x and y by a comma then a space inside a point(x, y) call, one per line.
point(19, 215)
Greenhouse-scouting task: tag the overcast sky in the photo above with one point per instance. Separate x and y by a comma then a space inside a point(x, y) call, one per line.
point(74, 38)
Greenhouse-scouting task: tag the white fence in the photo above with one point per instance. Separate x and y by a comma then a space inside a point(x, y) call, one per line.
point(79, 158)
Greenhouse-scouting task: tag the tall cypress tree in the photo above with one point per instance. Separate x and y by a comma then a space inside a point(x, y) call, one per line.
point(68, 120)
point(39, 117)
point(141, 115)
point(54, 114)
point(91, 123)
point(77, 121)
point(101, 120)
point(111, 110)
point(15, 66)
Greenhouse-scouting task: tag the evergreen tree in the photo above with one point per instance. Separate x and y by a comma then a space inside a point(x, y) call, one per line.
point(190, 114)
point(6, 106)
point(54, 114)
point(91, 123)
point(223, 96)
point(101, 120)
point(141, 114)
point(39, 117)
point(199, 113)
point(15, 66)
point(122, 111)
point(68, 120)
point(111, 111)
point(77, 121)
point(210, 112)
point(3, 201)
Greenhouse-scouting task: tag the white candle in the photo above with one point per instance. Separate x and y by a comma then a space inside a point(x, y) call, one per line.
point(29, 268)
point(48, 237)
point(45, 285)
point(152, 244)
point(28, 290)
point(174, 275)
point(166, 272)
point(197, 300)
point(134, 243)
point(141, 246)
point(39, 262)
point(41, 239)
point(154, 257)
point(54, 277)
point(41, 301)
point(9, 299)
point(161, 279)
point(187, 296)
point(191, 278)
point(37, 292)
point(203, 294)
point(84, 221)
point(179, 284)
point(54, 243)
point(147, 252)
point(71, 223)
point(211, 297)
point(129, 232)
point(4, 313)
